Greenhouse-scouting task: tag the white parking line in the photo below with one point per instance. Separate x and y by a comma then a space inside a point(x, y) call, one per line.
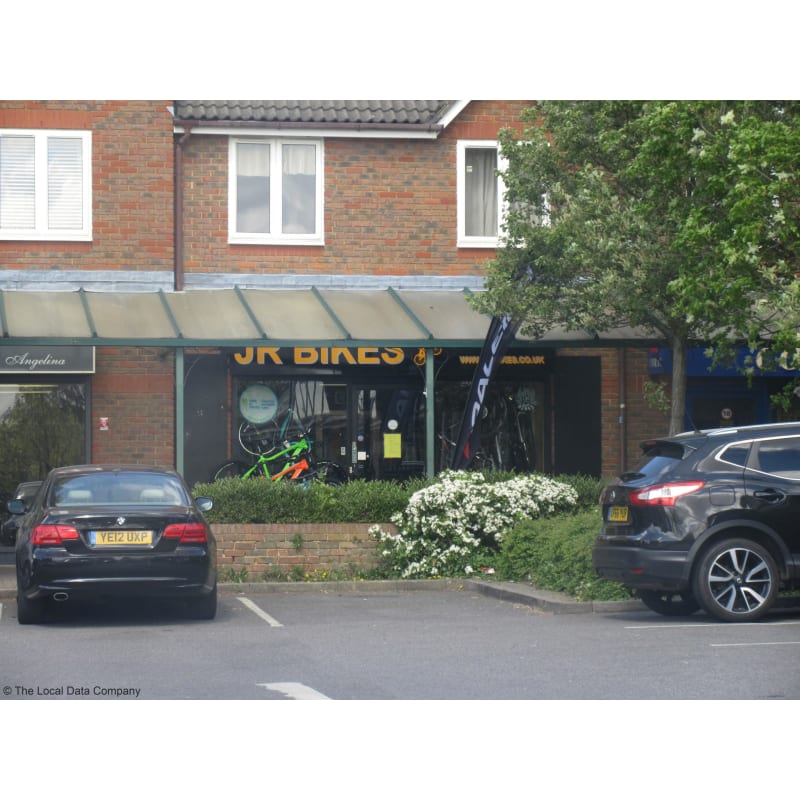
point(259, 612)
point(295, 691)
point(752, 644)
point(707, 625)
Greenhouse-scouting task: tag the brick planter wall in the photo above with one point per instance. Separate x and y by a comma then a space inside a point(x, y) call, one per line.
point(310, 548)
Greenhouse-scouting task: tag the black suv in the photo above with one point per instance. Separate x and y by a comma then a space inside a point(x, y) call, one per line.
point(708, 519)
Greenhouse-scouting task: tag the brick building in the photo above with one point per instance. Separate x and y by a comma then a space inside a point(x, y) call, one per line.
point(171, 271)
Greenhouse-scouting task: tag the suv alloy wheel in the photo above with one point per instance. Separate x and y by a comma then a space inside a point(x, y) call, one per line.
point(737, 580)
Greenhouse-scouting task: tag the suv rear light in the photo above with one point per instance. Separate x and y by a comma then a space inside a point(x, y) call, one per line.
point(664, 494)
point(187, 532)
point(53, 534)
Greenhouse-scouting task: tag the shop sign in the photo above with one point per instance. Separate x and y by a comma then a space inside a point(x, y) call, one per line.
point(320, 356)
point(361, 356)
point(699, 364)
point(258, 404)
point(46, 360)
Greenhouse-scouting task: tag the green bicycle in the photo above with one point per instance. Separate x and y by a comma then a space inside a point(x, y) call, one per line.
point(279, 458)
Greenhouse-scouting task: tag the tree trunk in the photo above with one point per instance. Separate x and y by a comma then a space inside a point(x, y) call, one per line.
point(678, 409)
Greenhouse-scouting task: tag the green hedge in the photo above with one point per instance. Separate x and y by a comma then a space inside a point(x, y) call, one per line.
point(261, 501)
point(555, 553)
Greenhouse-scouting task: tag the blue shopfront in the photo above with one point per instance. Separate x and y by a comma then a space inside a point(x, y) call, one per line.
point(721, 396)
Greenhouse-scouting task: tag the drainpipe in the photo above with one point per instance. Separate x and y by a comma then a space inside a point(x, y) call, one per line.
point(178, 221)
point(180, 421)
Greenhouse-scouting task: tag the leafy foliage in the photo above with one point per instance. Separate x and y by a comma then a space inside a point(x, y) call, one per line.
point(676, 218)
point(555, 554)
point(261, 501)
point(455, 525)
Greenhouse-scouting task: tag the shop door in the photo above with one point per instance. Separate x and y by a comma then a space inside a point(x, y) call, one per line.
point(389, 433)
point(577, 431)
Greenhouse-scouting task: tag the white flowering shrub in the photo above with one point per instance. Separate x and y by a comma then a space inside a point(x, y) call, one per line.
point(453, 526)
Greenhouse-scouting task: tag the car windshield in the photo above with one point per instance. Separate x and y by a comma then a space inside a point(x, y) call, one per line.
point(119, 488)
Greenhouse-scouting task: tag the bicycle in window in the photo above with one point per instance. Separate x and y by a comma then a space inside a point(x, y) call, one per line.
point(282, 451)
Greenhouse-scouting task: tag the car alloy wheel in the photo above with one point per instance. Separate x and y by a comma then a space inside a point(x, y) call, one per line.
point(737, 580)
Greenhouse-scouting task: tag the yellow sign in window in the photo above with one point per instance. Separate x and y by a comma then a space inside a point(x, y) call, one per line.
point(392, 445)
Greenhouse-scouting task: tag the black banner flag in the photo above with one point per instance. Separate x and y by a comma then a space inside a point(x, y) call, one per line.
point(501, 332)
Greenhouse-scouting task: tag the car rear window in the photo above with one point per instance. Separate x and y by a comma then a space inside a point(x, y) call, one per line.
point(657, 459)
point(126, 488)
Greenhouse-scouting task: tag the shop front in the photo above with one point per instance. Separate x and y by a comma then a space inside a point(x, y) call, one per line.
point(44, 399)
point(722, 396)
point(366, 407)
point(379, 376)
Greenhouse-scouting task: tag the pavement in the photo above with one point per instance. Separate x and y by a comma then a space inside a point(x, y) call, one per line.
point(522, 594)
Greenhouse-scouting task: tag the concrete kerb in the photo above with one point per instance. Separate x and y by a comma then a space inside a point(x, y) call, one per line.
point(551, 602)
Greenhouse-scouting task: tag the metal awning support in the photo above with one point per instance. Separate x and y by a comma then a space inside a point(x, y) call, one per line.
point(249, 312)
point(88, 312)
point(170, 315)
point(324, 303)
point(430, 408)
point(399, 300)
point(3, 319)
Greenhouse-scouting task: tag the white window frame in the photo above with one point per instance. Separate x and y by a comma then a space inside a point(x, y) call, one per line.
point(41, 231)
point(276, 236)
point(462, 239)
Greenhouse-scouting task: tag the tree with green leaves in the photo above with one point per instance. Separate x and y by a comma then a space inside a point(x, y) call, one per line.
point(679, 219)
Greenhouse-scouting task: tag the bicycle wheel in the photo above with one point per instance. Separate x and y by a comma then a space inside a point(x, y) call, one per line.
point(258, 439)
point(230, 469)
point(331, 473)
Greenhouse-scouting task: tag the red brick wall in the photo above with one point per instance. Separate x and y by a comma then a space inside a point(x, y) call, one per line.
point(390, 205)
point(307, 548)
point(134, 388)
point(132, 180)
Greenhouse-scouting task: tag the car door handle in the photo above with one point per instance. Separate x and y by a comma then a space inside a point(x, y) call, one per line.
point(770, 495)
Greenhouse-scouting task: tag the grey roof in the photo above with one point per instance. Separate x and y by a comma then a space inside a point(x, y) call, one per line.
point(422, 113)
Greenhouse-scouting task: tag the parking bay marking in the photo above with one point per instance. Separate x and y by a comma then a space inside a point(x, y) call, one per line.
point(752, 644)
point(705, 625)
point(295, 691)
point(273, 623)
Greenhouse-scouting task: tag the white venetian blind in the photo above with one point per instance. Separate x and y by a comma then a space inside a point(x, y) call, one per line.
point(17, 182)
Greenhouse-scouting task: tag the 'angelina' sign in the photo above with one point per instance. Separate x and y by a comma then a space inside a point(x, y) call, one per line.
point(46, 360)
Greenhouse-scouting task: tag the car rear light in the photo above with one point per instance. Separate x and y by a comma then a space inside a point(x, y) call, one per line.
point(187, 532)
point(53, 534)
point(664, 494)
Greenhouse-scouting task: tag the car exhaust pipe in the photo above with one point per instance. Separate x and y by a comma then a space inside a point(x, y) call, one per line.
point(60, 597)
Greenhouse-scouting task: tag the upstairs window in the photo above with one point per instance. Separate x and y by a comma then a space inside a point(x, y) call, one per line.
point(276, 191)
point(480, 193)
point(45, 185)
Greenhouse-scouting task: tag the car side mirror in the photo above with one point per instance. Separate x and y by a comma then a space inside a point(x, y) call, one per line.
point(17, 507)
point(204, 503)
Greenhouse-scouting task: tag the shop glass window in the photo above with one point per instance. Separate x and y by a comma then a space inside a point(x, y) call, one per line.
point(315, 408)
point(276, 191)
point(45, 185)
point(41, 426)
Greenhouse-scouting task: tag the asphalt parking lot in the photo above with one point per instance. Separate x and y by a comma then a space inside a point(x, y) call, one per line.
point(381, 642)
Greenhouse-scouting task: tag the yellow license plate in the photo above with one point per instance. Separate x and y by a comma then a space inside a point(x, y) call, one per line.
point(618, 514)
point(120, 538)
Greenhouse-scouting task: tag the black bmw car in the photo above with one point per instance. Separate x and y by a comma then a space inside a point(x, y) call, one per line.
point(100, 530)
